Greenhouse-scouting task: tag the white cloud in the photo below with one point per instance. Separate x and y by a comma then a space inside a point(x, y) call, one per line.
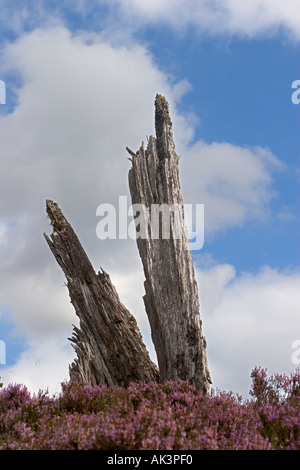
point(247, 19)
point(287, 214)
point(79, 106)
point(43, 367)
point(244, 19)
point(213, 282)
point(4, 229)
point(234, 183)
point(82, 100)
point(251, 321)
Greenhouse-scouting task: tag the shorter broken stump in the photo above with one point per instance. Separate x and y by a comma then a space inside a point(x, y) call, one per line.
point(108, 343)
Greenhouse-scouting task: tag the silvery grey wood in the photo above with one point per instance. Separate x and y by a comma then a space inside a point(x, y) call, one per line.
point(108, 343)
point(171, 294)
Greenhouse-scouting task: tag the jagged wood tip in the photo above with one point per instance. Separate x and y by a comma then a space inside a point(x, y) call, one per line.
point(109, 346)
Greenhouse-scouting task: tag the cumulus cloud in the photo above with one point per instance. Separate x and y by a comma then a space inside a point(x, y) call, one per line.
point(246, 20)
point(230, 17)
point(80, 101)
point(42, 367)
point(249, 320)
point(234, 183)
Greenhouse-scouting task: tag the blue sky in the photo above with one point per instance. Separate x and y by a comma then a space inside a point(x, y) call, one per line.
point(243, 97)
point(81, 78)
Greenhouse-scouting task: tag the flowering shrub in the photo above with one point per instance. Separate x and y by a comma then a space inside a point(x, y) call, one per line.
point(169, 416)
point(278, 407)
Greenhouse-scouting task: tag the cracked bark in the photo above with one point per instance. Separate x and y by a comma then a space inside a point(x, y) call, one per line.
point(171, 293)
point(108, 343)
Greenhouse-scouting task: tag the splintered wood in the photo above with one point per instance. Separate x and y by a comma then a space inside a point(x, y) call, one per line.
point(108, 343)
point(171, 294)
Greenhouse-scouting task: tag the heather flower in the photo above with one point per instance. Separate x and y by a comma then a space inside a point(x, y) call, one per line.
point(170, 416)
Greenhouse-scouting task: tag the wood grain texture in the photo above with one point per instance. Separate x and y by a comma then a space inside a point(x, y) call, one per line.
point(108, 343)
point(171, 293)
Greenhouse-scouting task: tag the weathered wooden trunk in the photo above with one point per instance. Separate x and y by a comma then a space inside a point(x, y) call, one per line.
point(171, 295)
point(108, 344)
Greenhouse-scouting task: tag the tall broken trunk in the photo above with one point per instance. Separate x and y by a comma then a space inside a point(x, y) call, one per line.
point(108, 344)
point(171, 294)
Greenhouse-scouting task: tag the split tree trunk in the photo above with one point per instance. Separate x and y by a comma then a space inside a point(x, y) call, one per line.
point(108, 344)
point(171, 298)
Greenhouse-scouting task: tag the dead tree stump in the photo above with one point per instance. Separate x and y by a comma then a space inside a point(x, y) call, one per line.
point(171, 294)
point(109, 346)
point(108, 342)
